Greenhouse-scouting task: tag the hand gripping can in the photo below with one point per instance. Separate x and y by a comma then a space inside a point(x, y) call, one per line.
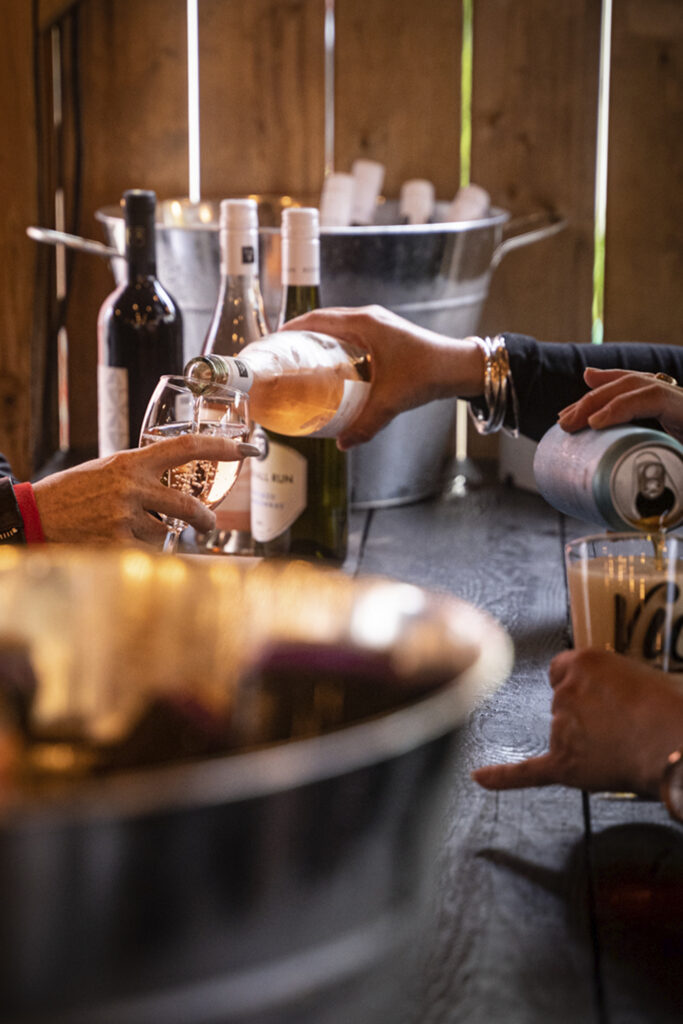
point(624, 478)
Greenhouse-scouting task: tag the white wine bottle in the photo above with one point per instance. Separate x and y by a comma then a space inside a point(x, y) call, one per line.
point(299, 487)
point(336, 200)
point(299, 382)
point(299, 490)
point(238, 319)
point(416, 203)
point(471, 202)
point(368, 178)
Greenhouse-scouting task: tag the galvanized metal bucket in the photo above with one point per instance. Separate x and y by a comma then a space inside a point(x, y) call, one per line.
point(436, 275)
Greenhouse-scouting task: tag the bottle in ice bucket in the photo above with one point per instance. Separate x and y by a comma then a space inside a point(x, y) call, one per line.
point(238, 319)
point(139, 330)
point(623, 478)
point(304, 389)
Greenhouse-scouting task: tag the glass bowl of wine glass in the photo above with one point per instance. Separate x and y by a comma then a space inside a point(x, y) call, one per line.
point(181, 405)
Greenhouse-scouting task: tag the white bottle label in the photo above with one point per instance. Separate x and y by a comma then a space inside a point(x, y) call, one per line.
point(234, 512)
point(239, 252)
point(239, 375)
point(278, 491)
point(353, 399)
point(112, 409)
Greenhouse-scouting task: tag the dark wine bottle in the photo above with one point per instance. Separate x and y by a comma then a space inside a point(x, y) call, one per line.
point(139, 332)
point(299, 489)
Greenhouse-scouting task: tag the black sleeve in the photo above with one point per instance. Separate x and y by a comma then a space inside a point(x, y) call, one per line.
point(5, 468)
point(548, 375)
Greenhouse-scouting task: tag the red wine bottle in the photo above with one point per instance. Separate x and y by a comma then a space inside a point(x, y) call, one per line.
point(139, 332)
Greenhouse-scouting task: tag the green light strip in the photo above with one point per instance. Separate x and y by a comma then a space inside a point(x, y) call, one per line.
point(600, 212)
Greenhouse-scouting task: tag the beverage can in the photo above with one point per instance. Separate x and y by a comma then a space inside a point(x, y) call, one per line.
point(624, 478)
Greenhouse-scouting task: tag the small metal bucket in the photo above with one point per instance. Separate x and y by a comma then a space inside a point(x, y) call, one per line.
point(436, 275)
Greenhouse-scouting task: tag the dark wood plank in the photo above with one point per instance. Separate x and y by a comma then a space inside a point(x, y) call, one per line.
point(397, 89)
point(18, 170)
point(511, 890)
point(636, 857)
point(533, 147)
point(644, 264)
point(51, 11)
point(262, 96)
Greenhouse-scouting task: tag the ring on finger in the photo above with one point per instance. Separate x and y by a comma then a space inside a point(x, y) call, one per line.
point(667, 378)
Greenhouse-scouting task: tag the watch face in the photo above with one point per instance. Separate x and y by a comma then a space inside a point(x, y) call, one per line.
point(673, 785)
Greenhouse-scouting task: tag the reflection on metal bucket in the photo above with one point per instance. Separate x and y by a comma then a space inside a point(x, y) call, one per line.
point(436, 275)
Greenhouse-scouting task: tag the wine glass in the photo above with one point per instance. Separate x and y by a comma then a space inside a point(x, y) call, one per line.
point(180, 405)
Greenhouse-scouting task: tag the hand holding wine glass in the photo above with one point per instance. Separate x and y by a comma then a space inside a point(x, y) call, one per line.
point(180, 406)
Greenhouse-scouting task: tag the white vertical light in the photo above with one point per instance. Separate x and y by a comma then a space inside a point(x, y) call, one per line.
point(600, 209)
point(194, 191)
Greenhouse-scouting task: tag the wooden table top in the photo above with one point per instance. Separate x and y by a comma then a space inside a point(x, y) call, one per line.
point(550, 905)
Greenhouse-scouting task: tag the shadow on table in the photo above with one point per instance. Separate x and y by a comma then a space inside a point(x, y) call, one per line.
point(624, 893)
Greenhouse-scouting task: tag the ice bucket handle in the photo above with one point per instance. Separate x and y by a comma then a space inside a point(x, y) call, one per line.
point(48, 236)
point(525, 230)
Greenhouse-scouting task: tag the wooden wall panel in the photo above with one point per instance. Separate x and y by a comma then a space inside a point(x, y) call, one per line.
point(397, 89)
point(644, 263)
point(18, 171)
point(134, 118)
point(534, 125)
point(397, 99)
point(262, 88)
point(261, 118)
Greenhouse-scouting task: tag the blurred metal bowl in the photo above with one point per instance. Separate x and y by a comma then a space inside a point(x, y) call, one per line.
point(436, 275)
point(280, 884)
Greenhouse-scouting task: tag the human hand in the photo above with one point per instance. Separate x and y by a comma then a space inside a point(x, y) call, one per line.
point(619, 396)
point(614, 722)
point(410, 364)
point(109, 499)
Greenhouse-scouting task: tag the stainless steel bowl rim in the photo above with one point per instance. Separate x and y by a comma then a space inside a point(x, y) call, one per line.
point(495, 218)
point(284, 766)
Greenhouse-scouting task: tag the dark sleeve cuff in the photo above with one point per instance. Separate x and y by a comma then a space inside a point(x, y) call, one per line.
point(549, 375)
point(11, 520)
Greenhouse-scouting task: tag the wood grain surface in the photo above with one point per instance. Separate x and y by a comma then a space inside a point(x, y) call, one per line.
point(513, 858)
point(548, 905)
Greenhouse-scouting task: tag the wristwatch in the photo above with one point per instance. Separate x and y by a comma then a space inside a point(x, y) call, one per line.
point(11, 522)
point(671, 786)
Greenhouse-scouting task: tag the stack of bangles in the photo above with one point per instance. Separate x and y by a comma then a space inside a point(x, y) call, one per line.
point(498, 407)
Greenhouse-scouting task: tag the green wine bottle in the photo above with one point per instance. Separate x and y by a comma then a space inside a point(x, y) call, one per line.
point(299, 489)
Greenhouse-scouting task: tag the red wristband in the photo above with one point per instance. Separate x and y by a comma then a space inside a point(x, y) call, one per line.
point(26, 500)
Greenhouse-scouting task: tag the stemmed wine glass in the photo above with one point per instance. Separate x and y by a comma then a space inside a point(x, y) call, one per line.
point(180, 405)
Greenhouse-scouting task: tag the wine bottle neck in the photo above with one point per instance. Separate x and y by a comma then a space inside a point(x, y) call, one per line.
point(141, 247)
point(239, 316)
point(300, 276)
point(298, 299)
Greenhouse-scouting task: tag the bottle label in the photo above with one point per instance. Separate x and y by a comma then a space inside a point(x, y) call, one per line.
point(239, 253)
point(234, 512)
point(238, 374)
point(278, 491)
point(112, 409)
point(353, 399)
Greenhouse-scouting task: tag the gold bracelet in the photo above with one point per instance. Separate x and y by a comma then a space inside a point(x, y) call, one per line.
point(499, 390)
